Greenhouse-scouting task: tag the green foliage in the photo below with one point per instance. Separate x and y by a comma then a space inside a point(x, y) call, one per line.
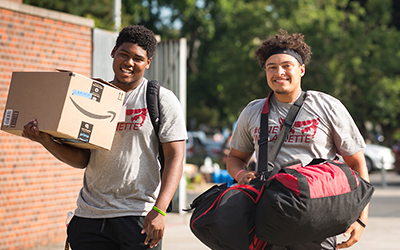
point(99, 10)
point(355, 44)
point(355, 56)
point(225, 74)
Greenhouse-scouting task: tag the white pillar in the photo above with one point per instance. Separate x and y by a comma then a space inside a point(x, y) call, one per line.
point(117, 15)
point(182, 99)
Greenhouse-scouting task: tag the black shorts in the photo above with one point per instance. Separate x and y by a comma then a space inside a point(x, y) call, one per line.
point(121, 233)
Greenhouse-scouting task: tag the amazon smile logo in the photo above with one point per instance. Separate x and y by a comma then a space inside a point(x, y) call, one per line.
point(111, 114)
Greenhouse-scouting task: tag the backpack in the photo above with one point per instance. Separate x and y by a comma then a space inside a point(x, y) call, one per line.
point(153, 107)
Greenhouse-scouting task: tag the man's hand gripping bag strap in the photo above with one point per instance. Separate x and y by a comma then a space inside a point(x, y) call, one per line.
point(220, 222)
point(153, 106)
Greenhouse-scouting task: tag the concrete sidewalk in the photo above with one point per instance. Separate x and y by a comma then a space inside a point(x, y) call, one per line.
point(383, 227)
point(382, 231)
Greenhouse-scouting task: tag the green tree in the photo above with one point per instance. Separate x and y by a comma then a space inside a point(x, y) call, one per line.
point(355, 48)
point(355, 56)
point(223, 75)
point(99, 10)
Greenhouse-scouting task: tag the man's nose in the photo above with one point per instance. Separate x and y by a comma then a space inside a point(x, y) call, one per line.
point(280, 70)
point(130, 61)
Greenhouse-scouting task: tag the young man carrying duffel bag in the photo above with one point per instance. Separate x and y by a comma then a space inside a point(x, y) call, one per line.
point(323, 128)
point(224, 216)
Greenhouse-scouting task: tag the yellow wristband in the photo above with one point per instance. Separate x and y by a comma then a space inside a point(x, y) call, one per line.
point(159, 210)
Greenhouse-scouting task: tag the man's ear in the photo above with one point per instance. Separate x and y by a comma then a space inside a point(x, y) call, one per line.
point(113, 52)
point(302, 70)
point(148, 63)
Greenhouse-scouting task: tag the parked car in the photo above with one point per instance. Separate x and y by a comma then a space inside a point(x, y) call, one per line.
point(198, 147)
point(196, 150)
point(378, 156)
point(396, 151)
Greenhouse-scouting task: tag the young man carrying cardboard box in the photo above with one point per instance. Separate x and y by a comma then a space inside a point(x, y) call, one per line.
point(123, 201)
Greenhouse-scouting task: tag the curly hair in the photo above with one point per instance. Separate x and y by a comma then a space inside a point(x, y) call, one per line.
point(284, 41)
point(139, 35)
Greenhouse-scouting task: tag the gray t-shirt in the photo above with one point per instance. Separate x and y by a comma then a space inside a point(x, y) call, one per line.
point(323, 129)
point(125, 181)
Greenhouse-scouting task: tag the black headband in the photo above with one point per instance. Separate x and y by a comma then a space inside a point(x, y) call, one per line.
point(286, 51)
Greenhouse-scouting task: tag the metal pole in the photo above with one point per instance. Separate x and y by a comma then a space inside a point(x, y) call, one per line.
point(182, 80)
point(383, 172)
point(117, 15)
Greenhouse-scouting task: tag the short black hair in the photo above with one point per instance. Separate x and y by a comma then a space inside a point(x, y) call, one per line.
point(139, 35)
point(283, 40)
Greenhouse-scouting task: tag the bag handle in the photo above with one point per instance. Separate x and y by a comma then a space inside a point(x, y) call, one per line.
point(350, 175)
point(265, 160)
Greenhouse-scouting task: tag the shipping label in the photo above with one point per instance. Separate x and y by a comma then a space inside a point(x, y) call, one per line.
point(96, 91)
point(10, 118)
point(85, 132)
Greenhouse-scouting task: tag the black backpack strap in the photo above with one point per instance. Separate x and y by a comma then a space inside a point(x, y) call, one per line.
point(153, 107)
point(152, 97)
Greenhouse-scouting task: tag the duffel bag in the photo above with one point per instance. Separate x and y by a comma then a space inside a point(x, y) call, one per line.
point(302, 204)
point(223, 217)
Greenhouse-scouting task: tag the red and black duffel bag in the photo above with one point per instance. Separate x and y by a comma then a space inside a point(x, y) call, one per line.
point(301, 204)
point(224, 216)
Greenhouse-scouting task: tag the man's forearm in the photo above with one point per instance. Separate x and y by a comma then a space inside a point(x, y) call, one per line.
point(75, 157)
point(172, 173)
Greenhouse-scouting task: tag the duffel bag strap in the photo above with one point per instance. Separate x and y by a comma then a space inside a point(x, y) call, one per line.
point(304, 188)
point(287, 126)
point(350, 175)
point(263, 141)
point(348, 172)
point(265, 158)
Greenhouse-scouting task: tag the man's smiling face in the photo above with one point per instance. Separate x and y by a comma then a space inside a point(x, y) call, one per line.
point(284, 75)
point(129, 65)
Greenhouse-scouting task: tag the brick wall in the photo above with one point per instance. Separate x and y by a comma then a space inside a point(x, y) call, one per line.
point(36, 190)
point(15, 1)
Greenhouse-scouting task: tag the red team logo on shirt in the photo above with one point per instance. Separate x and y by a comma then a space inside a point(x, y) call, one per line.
point(136, 119)
point(302, 131)
point(308, 128)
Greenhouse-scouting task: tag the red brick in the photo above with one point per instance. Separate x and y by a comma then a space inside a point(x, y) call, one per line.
point(36, 190)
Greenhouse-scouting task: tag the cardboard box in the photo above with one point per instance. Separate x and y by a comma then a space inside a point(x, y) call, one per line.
point(74, 109)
